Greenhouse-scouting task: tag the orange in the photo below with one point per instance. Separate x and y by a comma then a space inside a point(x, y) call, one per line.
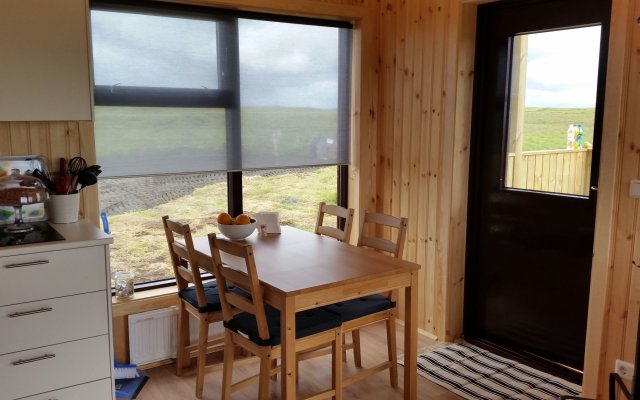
point(243, 219)
point(224, 219)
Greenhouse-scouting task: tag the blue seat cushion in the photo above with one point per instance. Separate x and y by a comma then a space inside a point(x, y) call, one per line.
point(211, 294)
point(360, 307)
point(308, 322)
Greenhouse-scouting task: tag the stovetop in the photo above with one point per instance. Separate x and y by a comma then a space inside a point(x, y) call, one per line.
point(42, 232)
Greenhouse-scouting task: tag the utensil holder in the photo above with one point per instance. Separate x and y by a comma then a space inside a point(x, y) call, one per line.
point(63, 208)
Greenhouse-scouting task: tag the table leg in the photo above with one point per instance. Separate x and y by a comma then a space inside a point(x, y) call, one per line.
point(288, 331)
point(411, 338)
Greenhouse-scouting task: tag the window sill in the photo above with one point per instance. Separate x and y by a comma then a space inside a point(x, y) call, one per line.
point(147, 300)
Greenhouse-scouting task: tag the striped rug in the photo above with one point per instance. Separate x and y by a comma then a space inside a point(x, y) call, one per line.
point(474, 373)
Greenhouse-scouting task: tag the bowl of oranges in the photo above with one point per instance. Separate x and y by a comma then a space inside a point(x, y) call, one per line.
point(236, 228)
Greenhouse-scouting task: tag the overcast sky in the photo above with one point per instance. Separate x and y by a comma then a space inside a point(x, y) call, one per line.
point(562, 68)
point(297, 65)
point(280, 64)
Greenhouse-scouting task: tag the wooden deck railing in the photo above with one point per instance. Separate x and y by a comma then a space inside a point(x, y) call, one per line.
point(560, 171)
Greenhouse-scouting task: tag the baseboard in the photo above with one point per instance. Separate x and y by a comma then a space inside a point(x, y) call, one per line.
point(421, 332)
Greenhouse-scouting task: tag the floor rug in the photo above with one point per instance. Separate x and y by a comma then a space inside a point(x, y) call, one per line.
point(474, 373)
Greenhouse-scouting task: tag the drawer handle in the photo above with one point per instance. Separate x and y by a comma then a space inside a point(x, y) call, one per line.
point(30, 360)
point(27, 264)
point(22, 314)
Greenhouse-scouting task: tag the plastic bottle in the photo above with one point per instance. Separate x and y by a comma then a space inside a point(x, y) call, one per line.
point(580, 137)
point(570, 136)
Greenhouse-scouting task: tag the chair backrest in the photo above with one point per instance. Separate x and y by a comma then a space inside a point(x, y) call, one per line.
point(390, 246)
point(184, 260)
point(342, 235)
point(240, 270)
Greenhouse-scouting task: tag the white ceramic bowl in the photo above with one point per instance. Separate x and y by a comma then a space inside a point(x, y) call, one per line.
point(237, 232)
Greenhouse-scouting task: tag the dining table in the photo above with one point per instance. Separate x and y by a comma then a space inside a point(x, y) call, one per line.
point(300, 270)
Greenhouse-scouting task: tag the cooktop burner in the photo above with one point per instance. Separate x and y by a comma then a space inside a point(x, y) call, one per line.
point(42, 232)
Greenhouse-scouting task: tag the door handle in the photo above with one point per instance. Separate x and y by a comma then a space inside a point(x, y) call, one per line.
point(30, 360)
point(594, 188)
point(22, 314)
point(27, 264)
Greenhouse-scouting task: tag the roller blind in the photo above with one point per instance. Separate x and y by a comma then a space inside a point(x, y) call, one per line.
point(182, 89)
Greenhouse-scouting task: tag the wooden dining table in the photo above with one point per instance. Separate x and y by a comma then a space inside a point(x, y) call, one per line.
point(299, 270)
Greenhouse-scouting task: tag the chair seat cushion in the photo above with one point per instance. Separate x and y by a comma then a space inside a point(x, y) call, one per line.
point(212, 295)
point(308, 322)
point(360, 307)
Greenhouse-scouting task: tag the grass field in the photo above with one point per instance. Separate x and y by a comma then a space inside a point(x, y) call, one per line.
point(284, 130)
point(139, 241)
point(546, 128)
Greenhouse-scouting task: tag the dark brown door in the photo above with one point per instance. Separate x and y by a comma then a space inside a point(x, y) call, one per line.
point(537, 121)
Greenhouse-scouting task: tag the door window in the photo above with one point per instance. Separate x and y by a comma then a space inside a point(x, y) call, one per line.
point(552, 104)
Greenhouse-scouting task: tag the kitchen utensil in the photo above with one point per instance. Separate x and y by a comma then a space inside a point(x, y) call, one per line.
point(87, 178)
point(45, 179)
point(64, 208)
point(62, 187)
point(77, 165)
point(95, 169)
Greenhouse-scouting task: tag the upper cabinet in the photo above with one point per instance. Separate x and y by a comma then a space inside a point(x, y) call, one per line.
point(44, 60)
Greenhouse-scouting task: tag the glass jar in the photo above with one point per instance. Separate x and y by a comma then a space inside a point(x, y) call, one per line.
point(123, 284)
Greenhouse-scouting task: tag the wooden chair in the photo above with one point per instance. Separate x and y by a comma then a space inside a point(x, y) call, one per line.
point(200, 300)
point(342, 235)
point(367, 310)
point(257, 328)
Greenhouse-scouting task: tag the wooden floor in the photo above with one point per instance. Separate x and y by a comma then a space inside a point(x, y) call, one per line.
point(315, 375)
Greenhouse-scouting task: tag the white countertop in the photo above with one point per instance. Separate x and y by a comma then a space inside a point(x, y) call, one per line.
point(77, 234)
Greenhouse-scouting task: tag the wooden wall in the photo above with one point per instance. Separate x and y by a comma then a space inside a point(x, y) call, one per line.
point(421, 164)
point(419, 167)
point(623, 284)
point(413, 77)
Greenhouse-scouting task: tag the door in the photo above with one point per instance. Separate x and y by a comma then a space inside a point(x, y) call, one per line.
point(537, 121)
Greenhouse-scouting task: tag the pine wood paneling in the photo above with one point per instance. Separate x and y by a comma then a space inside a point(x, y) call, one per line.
point(603, 339)
point(621, 298)
point(458, 112)
point(5, 139)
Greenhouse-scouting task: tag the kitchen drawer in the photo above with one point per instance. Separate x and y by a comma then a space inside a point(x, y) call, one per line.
point(45, 275)
point(49, 368)
point(99, 390)
point(46, 322)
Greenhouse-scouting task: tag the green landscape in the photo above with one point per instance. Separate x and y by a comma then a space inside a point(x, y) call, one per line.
point(155, 128)
point(171, 128)
point(139, 239)
point(546, 128)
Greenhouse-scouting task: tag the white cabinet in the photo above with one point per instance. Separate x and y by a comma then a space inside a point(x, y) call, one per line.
point(98, 390)
point(55, 317)
point(45, 70)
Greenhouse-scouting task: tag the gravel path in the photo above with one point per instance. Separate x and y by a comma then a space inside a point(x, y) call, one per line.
point(122, 195)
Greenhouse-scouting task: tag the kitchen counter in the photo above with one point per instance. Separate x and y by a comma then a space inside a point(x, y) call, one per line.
point(78, 234)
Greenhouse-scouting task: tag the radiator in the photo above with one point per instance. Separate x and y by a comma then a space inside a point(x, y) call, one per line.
point(153, 335)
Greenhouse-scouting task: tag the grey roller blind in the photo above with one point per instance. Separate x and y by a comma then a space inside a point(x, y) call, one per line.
point(189, 92)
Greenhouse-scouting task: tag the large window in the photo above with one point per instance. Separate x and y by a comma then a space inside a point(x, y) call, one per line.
point(199, 111)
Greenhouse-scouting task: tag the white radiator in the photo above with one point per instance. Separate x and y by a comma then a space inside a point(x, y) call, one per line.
point(153, 335)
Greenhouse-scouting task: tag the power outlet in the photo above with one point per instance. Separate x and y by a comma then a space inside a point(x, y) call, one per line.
point(624, 369)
